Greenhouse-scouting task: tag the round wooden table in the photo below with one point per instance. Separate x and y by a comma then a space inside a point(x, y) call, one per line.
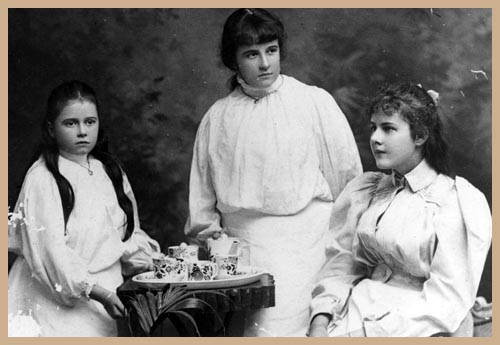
point(231, 306)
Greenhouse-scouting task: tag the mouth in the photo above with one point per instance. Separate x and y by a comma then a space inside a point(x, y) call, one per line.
point(378, 152)
point(265, 75)
point(82, 143)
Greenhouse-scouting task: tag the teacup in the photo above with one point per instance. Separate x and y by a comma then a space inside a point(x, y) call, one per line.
point(223, 246)
point(227, 265)
point(203, 270)
point(189, 253)
point(170, 268)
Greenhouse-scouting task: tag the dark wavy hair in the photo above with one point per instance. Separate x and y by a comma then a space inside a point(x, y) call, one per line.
point(248, 26)
point(420, 111)
point(48, 149)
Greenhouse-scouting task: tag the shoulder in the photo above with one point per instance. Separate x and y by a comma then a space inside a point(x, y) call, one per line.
point(38, 171)
point(367, 183)
point(38, 179)
point(357, 194)
point(312, 90)
point(445, 189)
point(463, 186)
point(461, 196)
point(220, 106)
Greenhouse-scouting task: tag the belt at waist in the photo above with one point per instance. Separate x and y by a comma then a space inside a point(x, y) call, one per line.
point(392, 276)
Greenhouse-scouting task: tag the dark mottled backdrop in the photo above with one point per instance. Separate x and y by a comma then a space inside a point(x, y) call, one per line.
point(157, 71)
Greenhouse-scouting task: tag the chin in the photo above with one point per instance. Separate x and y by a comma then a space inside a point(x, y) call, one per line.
point(264, 83)
point(383, 165)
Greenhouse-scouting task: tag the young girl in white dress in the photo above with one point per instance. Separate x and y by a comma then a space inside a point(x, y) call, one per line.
point(406, 250)
point(75, 226)
point(269, 160)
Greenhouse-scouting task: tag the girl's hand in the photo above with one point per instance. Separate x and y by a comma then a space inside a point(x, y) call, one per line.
point(109, 300)
point(319, 326)
point(114, 306)
point(220, 234)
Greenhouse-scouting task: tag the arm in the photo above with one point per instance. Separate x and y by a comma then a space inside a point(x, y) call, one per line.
point(341, 272)
point(39, 236)
point(338, 152)
point(463, 230)
point(204, 219)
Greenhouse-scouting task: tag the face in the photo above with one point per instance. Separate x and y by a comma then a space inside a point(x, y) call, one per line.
point(259, 64)
point(75, 129)
point(392, 144)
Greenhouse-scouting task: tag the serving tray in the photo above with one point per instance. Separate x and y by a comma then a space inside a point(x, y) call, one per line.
point(244, 276)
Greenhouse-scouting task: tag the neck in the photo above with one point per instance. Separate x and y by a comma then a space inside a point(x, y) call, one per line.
point(410, 165)
point(79, 159)
point(259, 92)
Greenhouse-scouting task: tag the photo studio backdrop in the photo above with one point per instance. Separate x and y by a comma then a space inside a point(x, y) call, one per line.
point(157, 71)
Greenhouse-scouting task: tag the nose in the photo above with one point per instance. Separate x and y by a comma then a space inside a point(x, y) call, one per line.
point(375, 137)
point(264, 63)
point(82, 131)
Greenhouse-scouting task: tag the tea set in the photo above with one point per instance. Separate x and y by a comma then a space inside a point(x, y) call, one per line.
point(182, 264)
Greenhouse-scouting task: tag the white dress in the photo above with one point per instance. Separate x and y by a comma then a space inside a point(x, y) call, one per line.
point(406, 260)
point(268, 172)
point(55, 272)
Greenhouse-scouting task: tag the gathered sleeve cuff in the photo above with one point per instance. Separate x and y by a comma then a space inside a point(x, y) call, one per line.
point(204, 218)
point(341, 271)
point(139, 249)
point(339, 156)
point(464, 238)
point(37, 232)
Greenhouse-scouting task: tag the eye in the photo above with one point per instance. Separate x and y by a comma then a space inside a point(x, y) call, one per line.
point(90, 122)
point(273, 50)
point(251, 55)
point(389, 129)
point(373, 128)
point(69, 123)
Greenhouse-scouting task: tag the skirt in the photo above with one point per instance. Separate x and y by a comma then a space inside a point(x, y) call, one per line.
point(292, 249)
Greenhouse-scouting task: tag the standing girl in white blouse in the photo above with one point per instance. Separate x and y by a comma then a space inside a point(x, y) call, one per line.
point(406, 250)
point(269, 160)
point(75, 226)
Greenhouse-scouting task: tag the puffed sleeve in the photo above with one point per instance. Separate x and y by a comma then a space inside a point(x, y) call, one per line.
point(37, 232)
point(341, 272)
point(339, 157)
point(463, 230)
point(204, 218)
point(139, 248)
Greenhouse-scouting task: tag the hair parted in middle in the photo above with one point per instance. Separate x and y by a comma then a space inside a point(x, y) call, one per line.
point(59, 98)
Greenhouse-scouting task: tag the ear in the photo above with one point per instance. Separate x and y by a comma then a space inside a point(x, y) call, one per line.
point(50, 128)
point(421, 138)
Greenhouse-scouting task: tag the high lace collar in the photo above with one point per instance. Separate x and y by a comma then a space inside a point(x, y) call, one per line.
point(258, 92)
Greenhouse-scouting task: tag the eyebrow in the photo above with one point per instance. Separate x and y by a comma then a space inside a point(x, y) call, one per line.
point(251, 50)
point(77, 119)
point(384, 123)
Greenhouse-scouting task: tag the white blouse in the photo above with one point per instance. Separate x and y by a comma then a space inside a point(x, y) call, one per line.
point(407, 260)
point(68, 263)
point(271, 156)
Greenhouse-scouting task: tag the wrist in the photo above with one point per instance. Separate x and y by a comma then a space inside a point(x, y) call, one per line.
point(100, 294)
